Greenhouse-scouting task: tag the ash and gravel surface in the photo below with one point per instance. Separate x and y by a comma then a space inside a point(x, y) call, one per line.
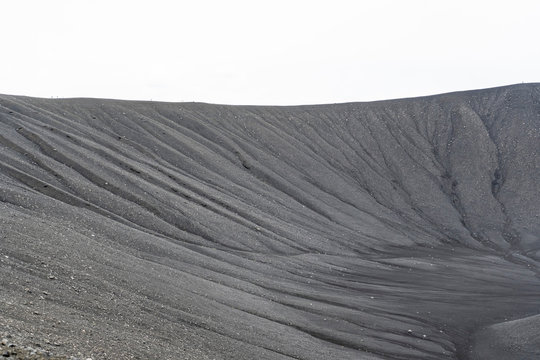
point(402, 229)
point(11, 349)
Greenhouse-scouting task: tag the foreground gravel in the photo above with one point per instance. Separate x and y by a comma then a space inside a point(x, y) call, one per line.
point(13, 349)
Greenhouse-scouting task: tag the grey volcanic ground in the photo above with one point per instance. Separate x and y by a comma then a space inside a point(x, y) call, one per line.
point(403, 229)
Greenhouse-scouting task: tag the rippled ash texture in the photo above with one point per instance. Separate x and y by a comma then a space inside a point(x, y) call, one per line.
point(402, 229)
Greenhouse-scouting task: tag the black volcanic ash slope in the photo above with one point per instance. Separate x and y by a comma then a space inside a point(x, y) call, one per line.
point(404, 229)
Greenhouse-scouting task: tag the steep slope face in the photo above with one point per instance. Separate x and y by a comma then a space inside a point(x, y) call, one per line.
point(387, 230)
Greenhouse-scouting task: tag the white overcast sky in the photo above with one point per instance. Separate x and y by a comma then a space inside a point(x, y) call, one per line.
point(265, 52)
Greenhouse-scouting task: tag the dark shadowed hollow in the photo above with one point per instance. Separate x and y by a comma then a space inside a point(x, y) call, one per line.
point(402, 229)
